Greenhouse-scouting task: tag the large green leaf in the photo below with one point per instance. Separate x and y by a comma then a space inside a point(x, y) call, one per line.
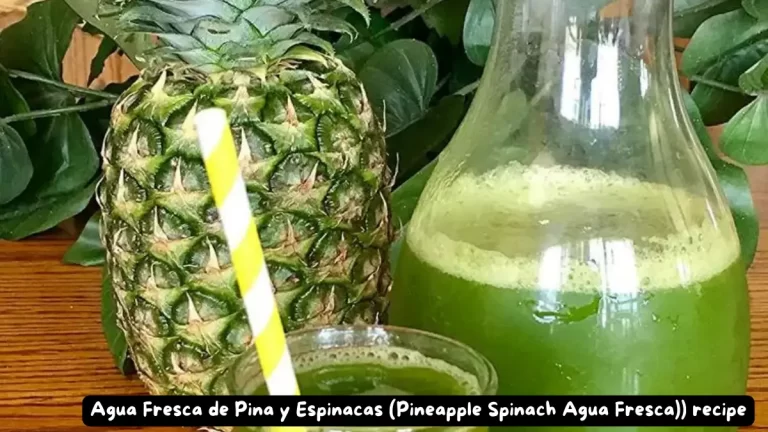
point(744, 137)
point(64, 157)
point(133, 45)
point(39, 42)
point(402, 77)
point(478, 30)
point(689, 14)
point(725, 47)
point(112, 331)
point(15, 166)
point(722, 36)
point(61, 151)
point(735, 185)
point(410, 148)
point(88, 249)
point(718, 105)
point(65, 163)
point(447, 18)
point(371, 37)
point(356, 56)
point(22, 218)
point(756, 8)
point(755, 79)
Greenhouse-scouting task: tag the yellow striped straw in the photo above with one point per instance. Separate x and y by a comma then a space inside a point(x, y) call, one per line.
point(229, 193)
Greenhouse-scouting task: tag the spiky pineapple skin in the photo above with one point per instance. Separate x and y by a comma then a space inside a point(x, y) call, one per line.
point(314, 161)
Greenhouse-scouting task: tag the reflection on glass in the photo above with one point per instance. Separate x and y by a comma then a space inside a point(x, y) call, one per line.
point(605, 111)
point(570, 98)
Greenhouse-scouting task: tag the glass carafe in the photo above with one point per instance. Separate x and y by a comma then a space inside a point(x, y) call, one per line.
point(574, 231)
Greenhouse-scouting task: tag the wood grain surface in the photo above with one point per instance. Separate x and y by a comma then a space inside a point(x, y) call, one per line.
point(52, 352)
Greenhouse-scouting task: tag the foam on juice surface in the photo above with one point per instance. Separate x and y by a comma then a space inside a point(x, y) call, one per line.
point(571, 229)
point(386, 356)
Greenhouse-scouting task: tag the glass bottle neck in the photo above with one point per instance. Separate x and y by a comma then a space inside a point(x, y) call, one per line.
point(593, 71)
point(571, 51)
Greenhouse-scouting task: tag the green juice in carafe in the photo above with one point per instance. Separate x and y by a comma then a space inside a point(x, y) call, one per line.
point(578, 282)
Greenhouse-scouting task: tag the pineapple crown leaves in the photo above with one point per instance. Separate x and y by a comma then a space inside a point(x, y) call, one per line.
point(216, 35)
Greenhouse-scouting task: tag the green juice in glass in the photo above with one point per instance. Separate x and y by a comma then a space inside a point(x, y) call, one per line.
point(378, 371)
point(569, 287)
point(374, 360)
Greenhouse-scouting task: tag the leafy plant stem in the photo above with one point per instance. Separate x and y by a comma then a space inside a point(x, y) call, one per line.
point(701, 80)
point(72, 88)
point(442, 82)
point(409, 17)
point(469, 88)
point(32, 115)
point(397, 25)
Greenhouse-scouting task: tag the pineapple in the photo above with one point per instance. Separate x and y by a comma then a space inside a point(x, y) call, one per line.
point(313, 157)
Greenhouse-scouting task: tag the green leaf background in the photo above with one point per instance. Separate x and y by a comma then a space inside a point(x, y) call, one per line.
point(720, 38)
point(744, 137)
point(38, 43)
point(400, 80)
point(15, 165)
point(690, 14)
point(723, 56)
point(62, 161)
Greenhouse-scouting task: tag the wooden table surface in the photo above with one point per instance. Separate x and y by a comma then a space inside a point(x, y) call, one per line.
point(52, 352)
